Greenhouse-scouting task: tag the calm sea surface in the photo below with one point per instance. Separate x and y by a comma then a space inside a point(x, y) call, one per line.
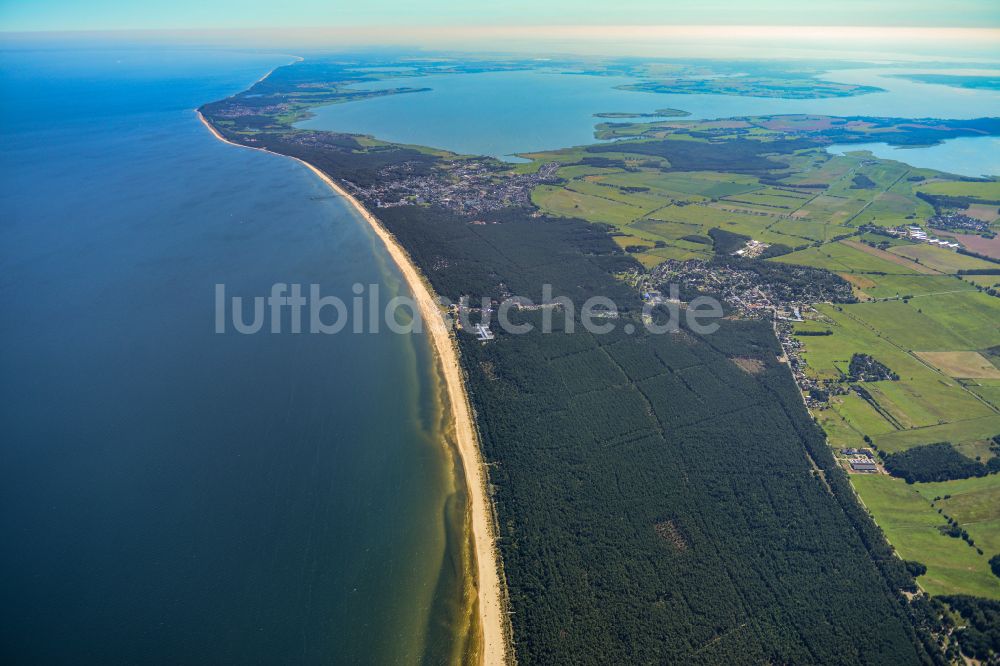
point(501, 113)
point(169, 495)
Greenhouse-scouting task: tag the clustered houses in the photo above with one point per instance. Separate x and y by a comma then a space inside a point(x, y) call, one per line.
point(468, 187)
point(745, 291)
point(740, 290)
point(243, 111)
point(748, 295)
point(815, 392)
point(861, 461)
point(959, 221)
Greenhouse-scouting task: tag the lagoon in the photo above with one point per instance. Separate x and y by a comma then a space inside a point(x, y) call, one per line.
point(965, 156)
point(504, 113)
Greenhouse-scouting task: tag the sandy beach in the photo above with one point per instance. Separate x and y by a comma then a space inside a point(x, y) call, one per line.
point(491, 612)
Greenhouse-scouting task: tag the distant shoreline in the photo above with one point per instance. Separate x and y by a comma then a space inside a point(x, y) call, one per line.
point(488, 586)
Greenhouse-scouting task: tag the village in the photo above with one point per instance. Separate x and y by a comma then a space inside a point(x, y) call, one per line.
point(959, 222)
point(781, 294)
point(467, 187)
point(748, 289)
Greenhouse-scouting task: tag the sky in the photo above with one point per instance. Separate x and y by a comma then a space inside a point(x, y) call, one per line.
point(75, 15)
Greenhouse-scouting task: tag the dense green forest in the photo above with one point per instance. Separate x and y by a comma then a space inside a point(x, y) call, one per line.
point(734, 156)
point(980, 637)
point(864, 368)
point(937, 462)
point(726, 242)
point(656, 501)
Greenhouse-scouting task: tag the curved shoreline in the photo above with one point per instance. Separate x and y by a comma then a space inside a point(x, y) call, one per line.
point(489, 595)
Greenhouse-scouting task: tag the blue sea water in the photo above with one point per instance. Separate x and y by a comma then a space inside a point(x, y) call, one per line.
point(167, 494)
point(503, 113)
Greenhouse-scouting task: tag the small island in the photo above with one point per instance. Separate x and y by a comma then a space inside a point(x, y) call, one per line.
point(974, 82)
point(659, 113)
point(751, 86)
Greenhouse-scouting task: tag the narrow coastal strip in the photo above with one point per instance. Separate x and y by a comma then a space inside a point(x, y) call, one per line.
point(492, 617)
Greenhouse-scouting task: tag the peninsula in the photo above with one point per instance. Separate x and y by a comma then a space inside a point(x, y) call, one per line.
point(673, 498)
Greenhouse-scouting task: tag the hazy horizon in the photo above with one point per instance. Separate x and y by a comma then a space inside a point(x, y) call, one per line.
point(188, 14)
point(696, 41)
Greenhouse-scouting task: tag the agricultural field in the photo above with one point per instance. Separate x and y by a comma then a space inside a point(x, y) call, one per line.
point(965, 320)
point(690, 185)
point(981, 245)
point(909, 517)
point(569, 203)
point(958, 432)
point(985, 190)
point(932, 333)
point(852, 258)
point(928, 314)
point(840, 433)
point(859, 415)
point(985, 281)
point(987, 390)
point(940, 259)
point(974, 503)
point(984, 212)
point(926, 404)
point(906, 286)
point(821, 198)
point(962, 365)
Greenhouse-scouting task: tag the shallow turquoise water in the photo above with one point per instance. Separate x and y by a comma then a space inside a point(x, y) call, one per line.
point(169, 495)
point(501, 113)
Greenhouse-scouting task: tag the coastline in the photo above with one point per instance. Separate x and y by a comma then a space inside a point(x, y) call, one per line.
point(489, 597)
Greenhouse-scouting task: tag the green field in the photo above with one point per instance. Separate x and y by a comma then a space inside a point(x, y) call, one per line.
point(648, 201)
point(840, 433)
point(982, 280)
point(704, 184)
point(861, 417)
point(839, 257)
point(567, 203)
point(989, 190)
point(974, 503)
point(988, 390)
point(963, 320)
point(644, 195)
point(905, 514)
point(925, 405)
point(892, 286)
point(801, 231)
point(940, 259)
point(958, 432)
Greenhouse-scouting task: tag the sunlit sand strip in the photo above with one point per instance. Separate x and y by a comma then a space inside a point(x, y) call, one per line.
point(492, 617)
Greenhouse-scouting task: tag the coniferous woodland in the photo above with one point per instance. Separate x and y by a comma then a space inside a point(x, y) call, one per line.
point(937, 462)
point(657, 502)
